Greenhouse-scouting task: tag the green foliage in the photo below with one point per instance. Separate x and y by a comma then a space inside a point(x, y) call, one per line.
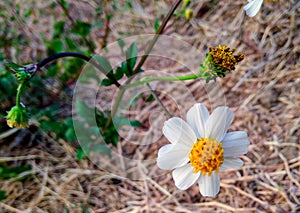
point(156, 24)
point(3, 195)
point(126, 67)
point(8, 85)
point(7, 172)
point(82, 28)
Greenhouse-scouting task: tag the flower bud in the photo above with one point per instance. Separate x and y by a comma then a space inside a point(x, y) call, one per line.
point(17, 117)
point(188, 14)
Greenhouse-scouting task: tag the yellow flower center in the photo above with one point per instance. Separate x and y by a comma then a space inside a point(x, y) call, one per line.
point(223, 56)
point(206, 156)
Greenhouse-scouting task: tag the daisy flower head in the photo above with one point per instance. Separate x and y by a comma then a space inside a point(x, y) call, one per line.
point(201, 147)
point(253, 7)
point(218, 62)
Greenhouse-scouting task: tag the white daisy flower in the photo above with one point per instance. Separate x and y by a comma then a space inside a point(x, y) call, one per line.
point(253, 7)
point(201, 147)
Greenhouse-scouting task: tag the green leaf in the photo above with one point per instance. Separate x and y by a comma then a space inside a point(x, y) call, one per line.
point(101, 148)
point(82, 28)
point(121, 44)
point(64, 4)
point(3, 195)
point(12, 172)
point(131, 55)
point(55, 46)
point(106, 82)
point(58, 29)
point(80, 154)
point(98, 24)
point(13, 66)
point(119, 73)
point(135, 123)
point(84, 111)
point(125, 69)
point(89, 74)
point(71, 45)
point(149, 98)
point(156, 24)
point(70, 135)
point(104, 63)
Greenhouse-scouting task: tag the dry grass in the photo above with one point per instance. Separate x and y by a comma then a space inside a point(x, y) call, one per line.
point(264, 92)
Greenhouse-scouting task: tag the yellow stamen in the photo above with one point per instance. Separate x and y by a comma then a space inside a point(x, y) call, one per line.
point(206, 156)
point(223, 57)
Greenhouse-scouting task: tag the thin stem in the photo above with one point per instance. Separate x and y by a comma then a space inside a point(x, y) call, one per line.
point(149, 79)
point(142, 61)
point(168, 114)
point(19, 91)
point(157, 34)
point(90, 46)
point(81, 56)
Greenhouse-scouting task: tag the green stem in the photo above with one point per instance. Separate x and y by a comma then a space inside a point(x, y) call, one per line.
point(157, 34)
point(19, 91)
point(142, 61)
point(168, 114)
point(149, 79)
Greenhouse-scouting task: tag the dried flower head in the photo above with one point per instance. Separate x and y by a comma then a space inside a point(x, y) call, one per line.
point(219, 61)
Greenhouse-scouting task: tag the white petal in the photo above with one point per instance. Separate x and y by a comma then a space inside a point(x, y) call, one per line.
point(196, 118)
point(231, 163)
point(177, 130)
point(218, 123)
point(253, 7)
point(209, 185)
point(164, 149)
point(173, 156)
point(184, 177)
point(235, 144)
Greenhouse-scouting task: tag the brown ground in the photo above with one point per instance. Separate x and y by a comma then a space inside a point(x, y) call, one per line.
point(264, 92)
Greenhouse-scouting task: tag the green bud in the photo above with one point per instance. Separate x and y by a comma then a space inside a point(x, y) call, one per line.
point(17, 117)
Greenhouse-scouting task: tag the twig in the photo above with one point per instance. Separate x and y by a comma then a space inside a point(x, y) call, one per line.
point(90, 46)
point(157, 34)
point(81, 56)
point(142, 61)
point(28, 157)
point(168, 114)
